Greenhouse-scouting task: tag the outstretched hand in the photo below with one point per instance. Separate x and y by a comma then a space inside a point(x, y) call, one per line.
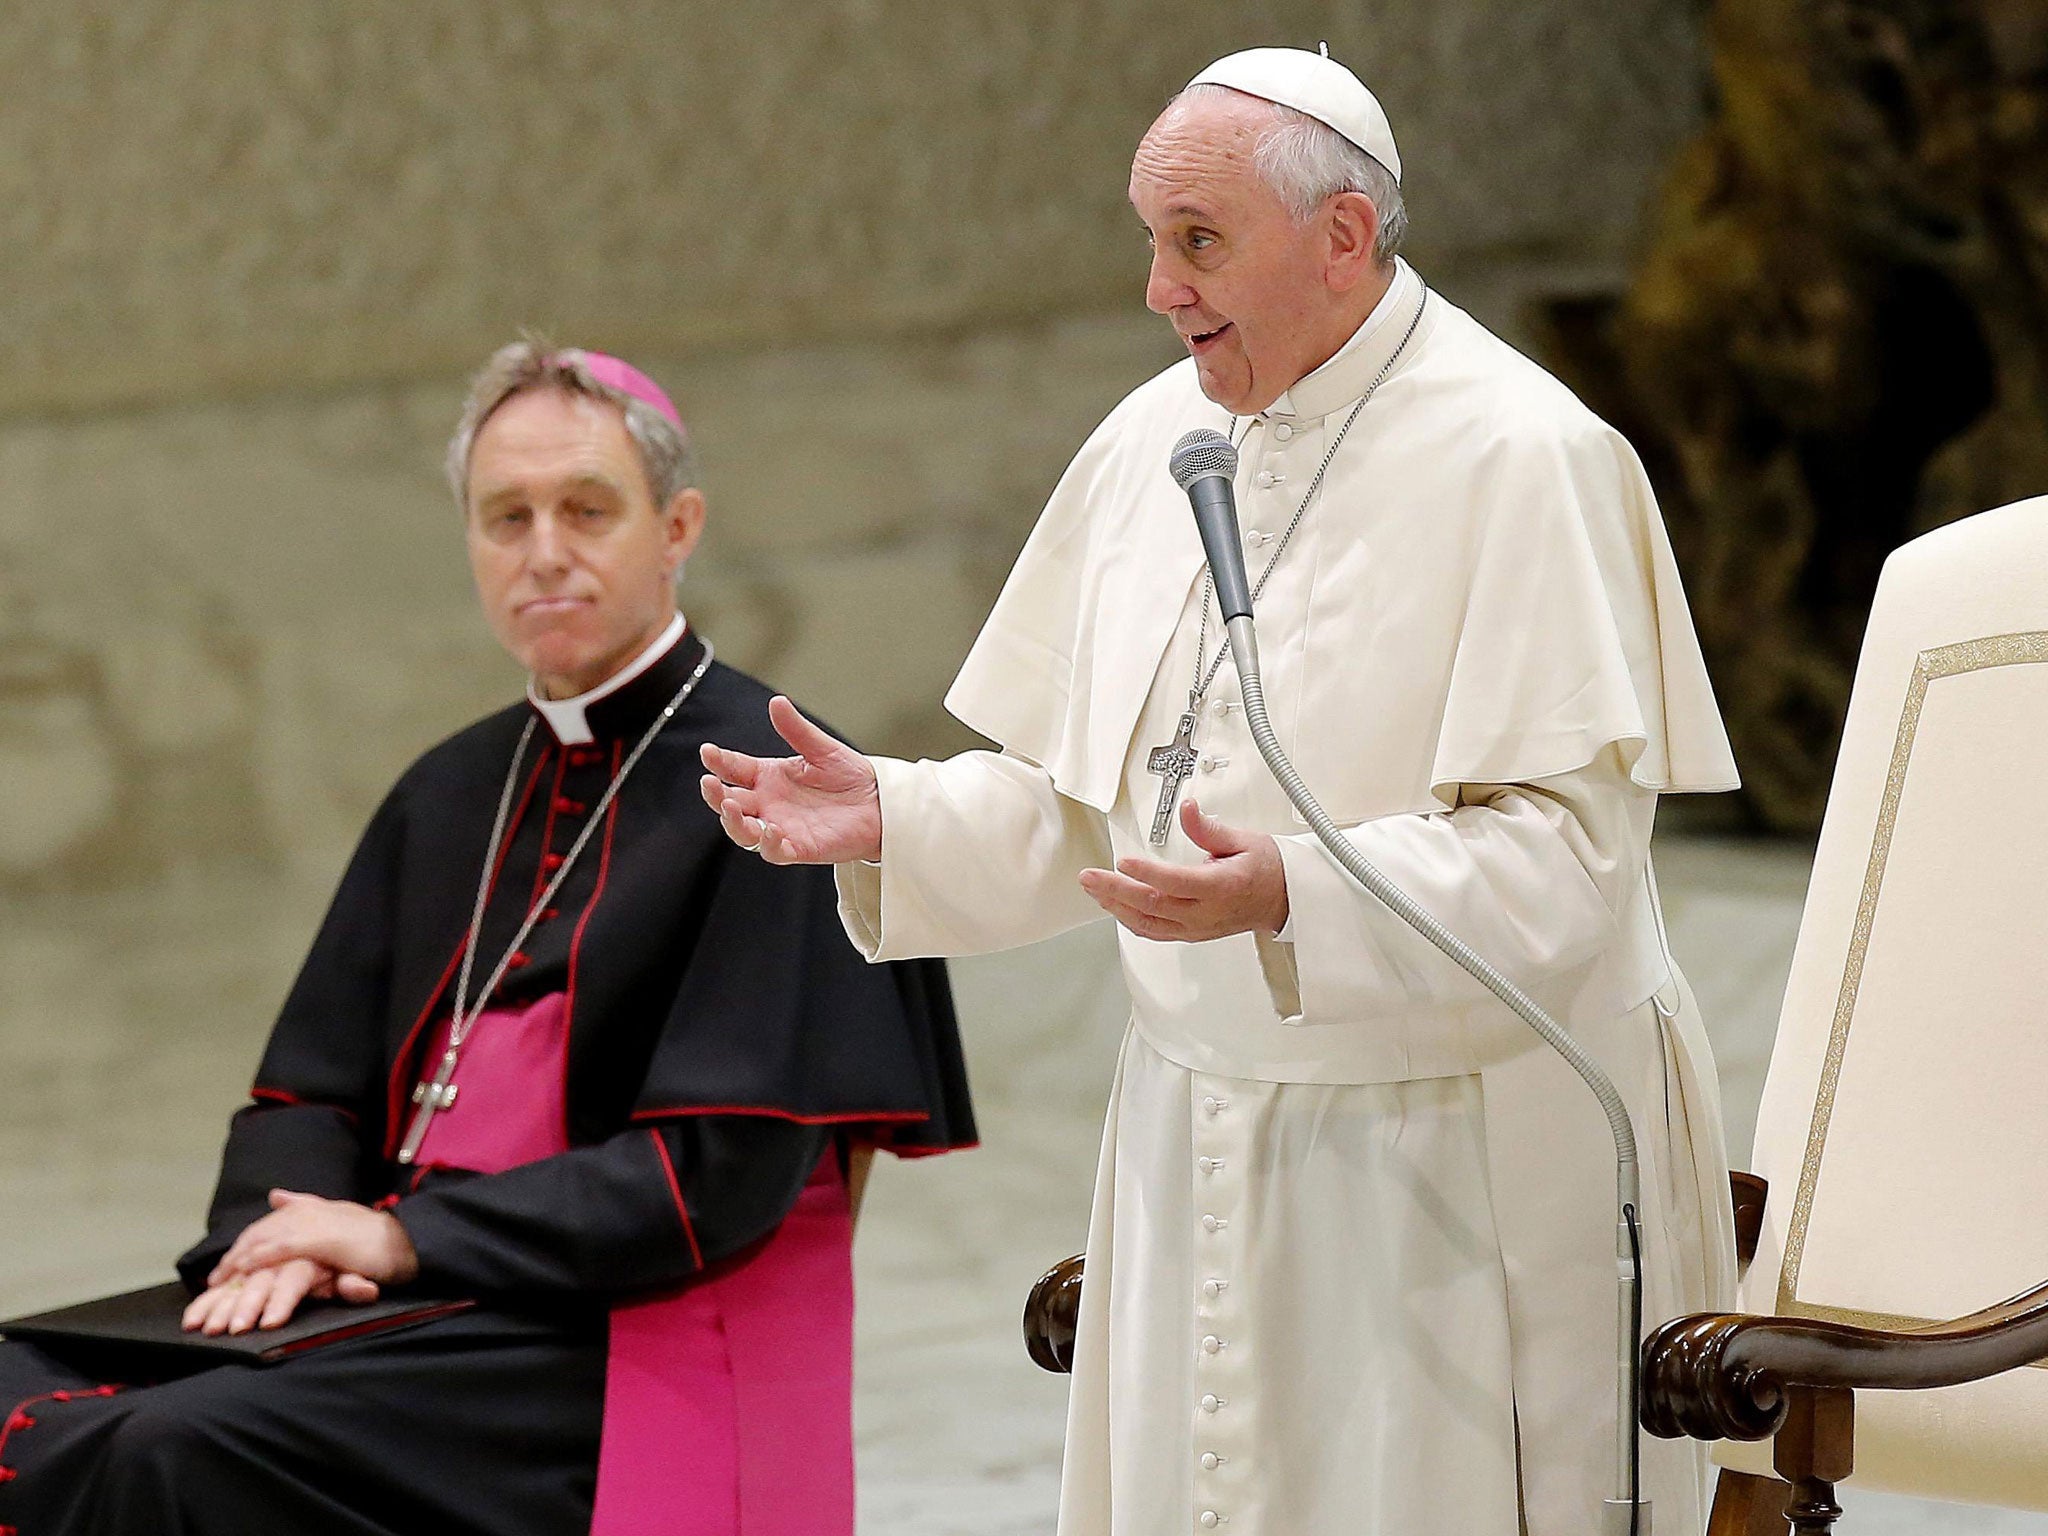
point(1240, 888)
point(821, 806)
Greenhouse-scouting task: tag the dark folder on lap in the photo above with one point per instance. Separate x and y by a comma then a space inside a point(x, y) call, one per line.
point(138, 1331)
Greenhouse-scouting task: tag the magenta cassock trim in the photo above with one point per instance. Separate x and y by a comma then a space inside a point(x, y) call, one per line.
point(728, 1406)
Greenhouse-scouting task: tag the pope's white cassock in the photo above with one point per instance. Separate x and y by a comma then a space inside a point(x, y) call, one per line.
point(1350, 1266)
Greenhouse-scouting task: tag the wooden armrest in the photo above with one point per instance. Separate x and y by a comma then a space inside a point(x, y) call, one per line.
point(859, 1164)
point(1748, 1192)
point(1727, 1376)
point(1052, 1311)
point(1052, 1315)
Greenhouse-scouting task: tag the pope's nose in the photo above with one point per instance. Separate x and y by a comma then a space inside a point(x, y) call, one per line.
point(1165, 292)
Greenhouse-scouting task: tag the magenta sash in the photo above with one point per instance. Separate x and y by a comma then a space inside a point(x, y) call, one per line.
point(728, 1404)
point(509, 1086)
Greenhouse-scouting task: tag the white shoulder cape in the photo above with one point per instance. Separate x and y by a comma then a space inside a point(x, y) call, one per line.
point(1496, 599)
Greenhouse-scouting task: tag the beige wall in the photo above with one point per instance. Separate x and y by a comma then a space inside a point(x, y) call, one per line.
point(878, 250)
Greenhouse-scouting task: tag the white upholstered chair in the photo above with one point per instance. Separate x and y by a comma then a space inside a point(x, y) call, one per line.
point(1904, 1124)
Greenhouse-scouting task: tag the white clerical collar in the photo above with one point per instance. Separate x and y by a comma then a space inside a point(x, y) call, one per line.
point(567, 718)
point(1350, 369)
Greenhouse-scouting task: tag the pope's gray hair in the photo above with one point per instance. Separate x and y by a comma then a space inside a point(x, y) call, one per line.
point(529, 364)
point(1306, 162)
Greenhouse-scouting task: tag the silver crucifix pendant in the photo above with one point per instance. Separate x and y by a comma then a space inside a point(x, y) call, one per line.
point(1173, 763)
point(431, 1097)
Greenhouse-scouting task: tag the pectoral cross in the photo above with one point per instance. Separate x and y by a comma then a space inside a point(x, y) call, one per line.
point(1173, 763)
point(432, 1097)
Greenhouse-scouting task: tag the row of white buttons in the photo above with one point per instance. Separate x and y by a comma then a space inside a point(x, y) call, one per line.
point(1212, 1345)
point(1265, 480)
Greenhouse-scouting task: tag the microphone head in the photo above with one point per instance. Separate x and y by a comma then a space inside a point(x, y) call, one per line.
point(1200, 454)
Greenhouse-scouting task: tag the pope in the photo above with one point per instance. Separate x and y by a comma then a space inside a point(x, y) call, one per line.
point(1350, 1261)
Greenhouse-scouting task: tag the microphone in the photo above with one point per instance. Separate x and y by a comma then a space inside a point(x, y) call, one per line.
point(1203, 463)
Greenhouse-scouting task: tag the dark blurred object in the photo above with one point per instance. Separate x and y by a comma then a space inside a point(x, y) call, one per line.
point(1837, 339)
point(1052, 1315)
point(142, 1333)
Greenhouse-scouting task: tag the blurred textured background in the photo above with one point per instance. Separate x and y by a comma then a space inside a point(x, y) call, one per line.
point(1837, 337)
point(879, 250)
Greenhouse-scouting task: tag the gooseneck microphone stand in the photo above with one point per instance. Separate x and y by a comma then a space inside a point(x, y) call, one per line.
point(1204, 464)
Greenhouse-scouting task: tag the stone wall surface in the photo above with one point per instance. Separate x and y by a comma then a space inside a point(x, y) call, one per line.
point(881, 254)
point(224, 627)
point(880, 251)
point(236, 196)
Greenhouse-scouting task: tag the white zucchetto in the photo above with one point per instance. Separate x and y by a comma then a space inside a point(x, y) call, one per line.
point(1316, 84)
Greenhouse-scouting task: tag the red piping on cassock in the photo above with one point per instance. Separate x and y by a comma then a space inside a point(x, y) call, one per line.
point(668, 1168)
point(398, 1088)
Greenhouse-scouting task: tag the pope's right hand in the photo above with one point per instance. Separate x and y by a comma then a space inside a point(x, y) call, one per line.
point(818, 807)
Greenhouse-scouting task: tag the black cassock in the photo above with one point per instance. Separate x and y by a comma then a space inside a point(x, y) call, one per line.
point(723, 1037)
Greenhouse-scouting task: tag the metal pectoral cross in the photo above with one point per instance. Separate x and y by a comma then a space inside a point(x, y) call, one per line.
point(1173, 762)
point(432, 1097)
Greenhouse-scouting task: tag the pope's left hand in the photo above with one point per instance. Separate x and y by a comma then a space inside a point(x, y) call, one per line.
point(344, 1236)
point(1240, 888)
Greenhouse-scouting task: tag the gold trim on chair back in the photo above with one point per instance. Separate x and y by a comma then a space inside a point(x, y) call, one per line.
point(1901, 1128)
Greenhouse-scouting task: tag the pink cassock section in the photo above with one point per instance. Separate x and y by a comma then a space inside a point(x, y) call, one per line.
point(509, 1086)
point(728, 1406)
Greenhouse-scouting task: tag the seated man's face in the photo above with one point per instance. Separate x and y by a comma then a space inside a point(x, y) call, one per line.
point(575, 564)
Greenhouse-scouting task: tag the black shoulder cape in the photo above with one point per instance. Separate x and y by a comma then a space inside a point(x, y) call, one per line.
point(714, 1001)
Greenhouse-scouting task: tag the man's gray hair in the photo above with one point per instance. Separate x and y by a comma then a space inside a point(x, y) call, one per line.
point(1306, 162)
point(530, 364)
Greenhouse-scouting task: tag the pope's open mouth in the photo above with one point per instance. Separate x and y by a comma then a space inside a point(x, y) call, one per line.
point(1202, 340)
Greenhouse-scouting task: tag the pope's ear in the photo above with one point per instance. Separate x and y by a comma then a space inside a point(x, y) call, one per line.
point(1353, 227)
point(683, 522)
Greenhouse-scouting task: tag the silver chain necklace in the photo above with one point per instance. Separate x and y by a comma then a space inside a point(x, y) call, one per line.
point(435, 1094)
point(1175, 761)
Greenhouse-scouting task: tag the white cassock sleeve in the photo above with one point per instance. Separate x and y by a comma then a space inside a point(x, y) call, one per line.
point(1532, 876)
point(979, 852)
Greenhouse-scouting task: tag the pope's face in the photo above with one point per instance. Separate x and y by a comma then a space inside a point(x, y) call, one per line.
point(1244, 284)
point(575, 564)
